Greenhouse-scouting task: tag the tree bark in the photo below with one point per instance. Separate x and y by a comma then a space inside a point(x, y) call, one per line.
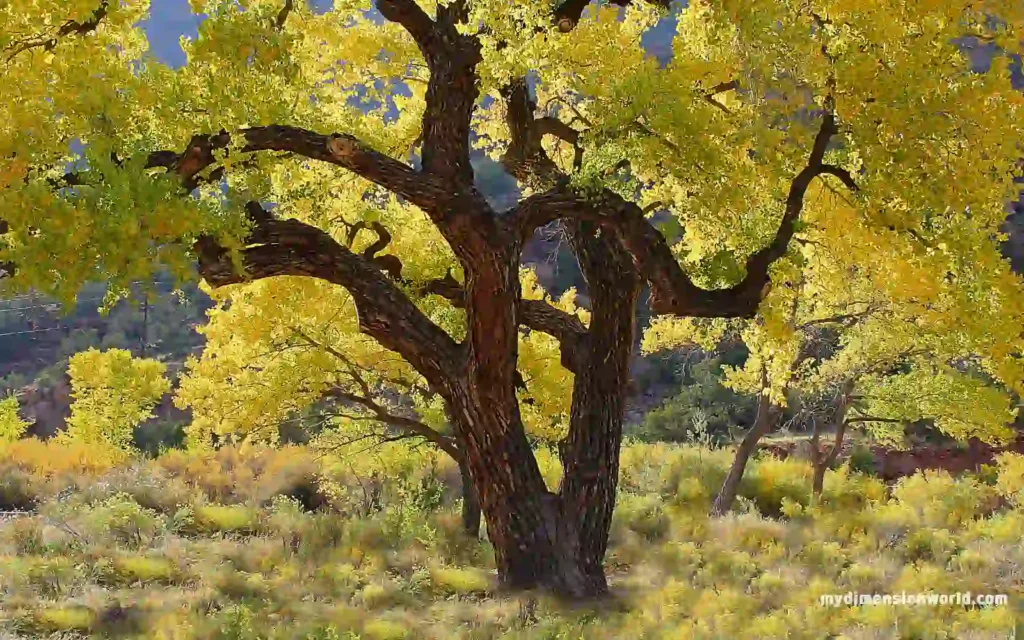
point(823, 462)
point(590, 451)
point(522, 515)
point(471, 514)
point(767, 415)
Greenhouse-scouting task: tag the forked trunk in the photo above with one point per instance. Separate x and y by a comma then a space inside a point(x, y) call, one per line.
point(523, 518)
point(544, 540)
point(766, 418)
point(823, 461)
point(524, 523)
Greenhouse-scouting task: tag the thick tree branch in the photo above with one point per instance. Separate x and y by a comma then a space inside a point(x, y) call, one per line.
point(290, 247)
point(452, 90)
point(672, 290)
point(282, 16)
point(525, 157)
point(342, 150)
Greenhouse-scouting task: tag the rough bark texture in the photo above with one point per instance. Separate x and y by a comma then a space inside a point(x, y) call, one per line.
point(590, 452)
point(767, 416)
point(471, 514)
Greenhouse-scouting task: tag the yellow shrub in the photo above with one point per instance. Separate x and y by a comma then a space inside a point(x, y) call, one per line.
point(769, 481)
point(145, 568)
point(453, 580)
point(51, 458)
point(1010, 481)
point(225, 518)
point(939, 500)
point(57, 619)
point(385, 630)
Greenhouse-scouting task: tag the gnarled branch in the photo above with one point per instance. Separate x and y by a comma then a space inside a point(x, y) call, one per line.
point(672, 290)
point(339, 149)
point(69, 28)
point(290, 247)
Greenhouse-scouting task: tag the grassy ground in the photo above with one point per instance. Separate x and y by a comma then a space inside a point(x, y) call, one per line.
point(287, 544)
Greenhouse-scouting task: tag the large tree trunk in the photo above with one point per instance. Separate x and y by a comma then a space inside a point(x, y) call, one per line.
point(523, 518)
point(541, 539)
point(767, 415)
point(522, 515)
point(590, 451)
point(471, 514)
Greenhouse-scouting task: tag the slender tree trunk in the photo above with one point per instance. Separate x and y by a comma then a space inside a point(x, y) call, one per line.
point(767, 415)
point(823, 462)
point(817, 462)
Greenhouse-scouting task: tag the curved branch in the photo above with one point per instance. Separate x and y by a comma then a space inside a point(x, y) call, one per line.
point(672, 290)
point(402, 423)
point(69, 28)
point(290, 247)
point(339, 149)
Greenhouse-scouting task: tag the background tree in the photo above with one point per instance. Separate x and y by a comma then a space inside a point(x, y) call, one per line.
point(282, 106)
point(113, 393)
point(12, 425)
point(844, 352)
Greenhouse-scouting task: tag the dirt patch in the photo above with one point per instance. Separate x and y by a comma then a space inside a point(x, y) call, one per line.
point(892, 464)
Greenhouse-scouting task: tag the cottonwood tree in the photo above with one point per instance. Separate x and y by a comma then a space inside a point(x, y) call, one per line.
point(280, 105)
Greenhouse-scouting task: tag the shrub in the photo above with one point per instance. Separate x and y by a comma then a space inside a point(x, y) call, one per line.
point(770, 480)
point(17, 490)
point(385, 630)
point(862, 459)
point(216, 518)
point(643, 515)
point(1010, 478)
point(939, 500)
point(453, 580)
point(124, 520)
point(145, 569)
point(64, 618)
